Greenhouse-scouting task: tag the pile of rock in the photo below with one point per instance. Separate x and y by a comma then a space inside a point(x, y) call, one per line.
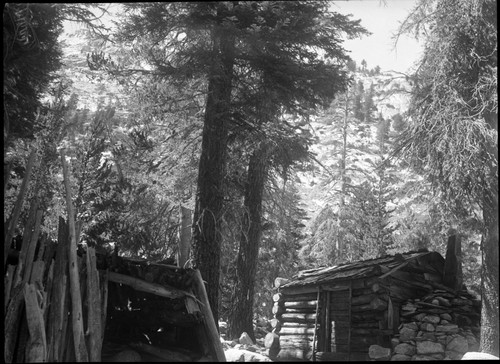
point(441, 325)
point(244, 350)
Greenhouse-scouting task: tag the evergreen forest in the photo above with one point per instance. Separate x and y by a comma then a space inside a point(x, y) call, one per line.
point(252, 117)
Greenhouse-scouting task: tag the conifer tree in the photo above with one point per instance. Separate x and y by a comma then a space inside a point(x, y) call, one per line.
point(229, 43)
point(452, 136)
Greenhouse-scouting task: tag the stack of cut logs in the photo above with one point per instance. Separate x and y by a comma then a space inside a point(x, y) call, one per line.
point(41, 282)
point(441, 325)
point(365, 313)
point(56, 299)
point(293, 320)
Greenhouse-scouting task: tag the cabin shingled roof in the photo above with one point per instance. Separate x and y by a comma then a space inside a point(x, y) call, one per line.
point(358, 269)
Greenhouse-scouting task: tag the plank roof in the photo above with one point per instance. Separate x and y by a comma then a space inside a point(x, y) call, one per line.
point(361, 269)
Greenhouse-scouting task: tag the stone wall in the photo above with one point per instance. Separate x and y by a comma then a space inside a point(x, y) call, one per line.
point(441, 325)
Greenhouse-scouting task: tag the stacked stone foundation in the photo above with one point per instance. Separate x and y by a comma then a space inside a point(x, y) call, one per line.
point(440, 326)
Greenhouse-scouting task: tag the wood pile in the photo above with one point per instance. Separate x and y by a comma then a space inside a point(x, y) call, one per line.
point(130, 309)
point(441, 325)
point(65, 303)
point(39, 320)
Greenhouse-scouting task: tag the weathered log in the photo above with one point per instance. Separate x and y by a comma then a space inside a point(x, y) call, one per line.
point(402, 292)
point(306, 325)
point(297, 317)
point(296, 330)
point(298, 297)
point(76, 301)
point(48, 293)
point(272, 341)
point(37, 270)
point(104, 300)
point(362, 299)
point(300, 304)
point(201, 293)
point(296, 337)
point(12, 323)
point(8, 280)
point(36, 350)
point(28, 246)
point(33, 244)
point(193, 309)
point(58, 310)
point(375, 287)
point(23, 345)
point(94, 307)
point(362, 292)
point(295, 343)
point(277, 309)
point(275, 324)
point(41, 249)
point(297, 310)
point(300, 290)
point(16, 212)
point(144, 286)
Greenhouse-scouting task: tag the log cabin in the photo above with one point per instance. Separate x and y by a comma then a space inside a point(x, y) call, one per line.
point(336, 313)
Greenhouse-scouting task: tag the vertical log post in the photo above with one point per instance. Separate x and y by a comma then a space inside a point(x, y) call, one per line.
point(104, 301)
point(19, 204)
point(94, 307)
point(36, 350)
point(76, 300)
point(184, 237)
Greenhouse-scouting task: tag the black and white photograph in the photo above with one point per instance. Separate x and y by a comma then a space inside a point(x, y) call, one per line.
point(251, 181)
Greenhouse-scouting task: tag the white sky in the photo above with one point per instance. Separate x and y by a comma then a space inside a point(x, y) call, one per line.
point(382, 19)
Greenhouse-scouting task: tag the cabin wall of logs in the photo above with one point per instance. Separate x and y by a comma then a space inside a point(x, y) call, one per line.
point(324, 319)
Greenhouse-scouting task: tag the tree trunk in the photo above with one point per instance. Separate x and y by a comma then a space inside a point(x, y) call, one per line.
point(343, 181)
point(489, 274)
point(207, 235)
point(241, 315)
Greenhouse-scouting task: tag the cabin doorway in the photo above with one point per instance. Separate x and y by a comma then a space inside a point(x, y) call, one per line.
point(334, 322)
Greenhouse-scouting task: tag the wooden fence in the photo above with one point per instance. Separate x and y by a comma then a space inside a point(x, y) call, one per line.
point(56, 300)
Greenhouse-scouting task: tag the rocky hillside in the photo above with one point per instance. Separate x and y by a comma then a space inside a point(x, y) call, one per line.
point(390, 98)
